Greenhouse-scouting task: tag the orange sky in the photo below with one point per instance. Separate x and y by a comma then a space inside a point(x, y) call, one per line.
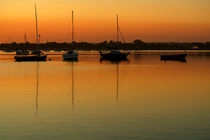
point(95, 21)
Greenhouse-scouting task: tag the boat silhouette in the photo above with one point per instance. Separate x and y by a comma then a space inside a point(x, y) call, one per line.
point(115, 54)
point(71, 54)
point(36, 55)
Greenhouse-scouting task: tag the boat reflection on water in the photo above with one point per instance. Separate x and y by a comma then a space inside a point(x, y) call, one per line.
point(37, 88)
point(175, 57)
point(117, 90)
point(174, 60)
point(72, 61)
point(117, 62)
point(92, 99)
point(72, 86)
point(114, 61)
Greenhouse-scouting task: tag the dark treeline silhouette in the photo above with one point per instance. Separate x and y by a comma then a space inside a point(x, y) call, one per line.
point(135, 45)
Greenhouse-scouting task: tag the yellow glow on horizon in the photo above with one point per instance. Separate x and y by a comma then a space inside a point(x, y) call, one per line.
point(95, 21)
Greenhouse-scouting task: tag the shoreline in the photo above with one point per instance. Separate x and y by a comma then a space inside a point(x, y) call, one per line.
point(105, 46)
point(132, 52)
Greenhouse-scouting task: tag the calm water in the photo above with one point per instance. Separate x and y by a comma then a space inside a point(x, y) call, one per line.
point(143, 98)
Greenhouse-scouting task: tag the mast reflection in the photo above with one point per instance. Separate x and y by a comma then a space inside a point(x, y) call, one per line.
point(37, 88)
point(72, 75)
point(72, 84)
point(117, 73)
point(117, 95)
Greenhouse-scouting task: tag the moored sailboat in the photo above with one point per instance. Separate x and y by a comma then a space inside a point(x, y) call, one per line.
point(71, 55)
point(36, 55)
point(114, 54)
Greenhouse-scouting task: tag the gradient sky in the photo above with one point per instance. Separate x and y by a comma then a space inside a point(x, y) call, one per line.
point(95, 20)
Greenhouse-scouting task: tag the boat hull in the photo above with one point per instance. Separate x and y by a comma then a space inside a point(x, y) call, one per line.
point(174, 57)
point(73, 56)
point(108, 56)
point(30, 57)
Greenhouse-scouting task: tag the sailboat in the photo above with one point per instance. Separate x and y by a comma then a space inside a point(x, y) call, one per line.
point(71, 55)
point(36, 55)
point(114, 54)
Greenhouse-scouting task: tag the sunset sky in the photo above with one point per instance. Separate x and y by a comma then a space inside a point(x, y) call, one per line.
point(95, 20)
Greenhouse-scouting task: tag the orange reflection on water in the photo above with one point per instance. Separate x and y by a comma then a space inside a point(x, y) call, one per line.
point(140, 93)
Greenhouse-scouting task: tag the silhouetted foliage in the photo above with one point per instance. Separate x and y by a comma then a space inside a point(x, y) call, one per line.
point(138, 42)
point(107, 45)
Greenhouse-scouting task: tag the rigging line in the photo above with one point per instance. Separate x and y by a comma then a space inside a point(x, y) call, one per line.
point(121, 35)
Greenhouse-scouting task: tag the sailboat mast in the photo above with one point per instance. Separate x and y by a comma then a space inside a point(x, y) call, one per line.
point(37, 34)
point(117, 30)
point(72, 26)
point(25, 38)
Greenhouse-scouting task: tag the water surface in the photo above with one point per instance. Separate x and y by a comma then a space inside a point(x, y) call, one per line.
point(143, 98)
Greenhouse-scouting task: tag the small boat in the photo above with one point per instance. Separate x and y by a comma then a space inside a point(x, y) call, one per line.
point(173, 57)
point(71, 55)
point(115, 54)
point(22, 52)
point(37, 55)
point(8, 51)
point(34, 56)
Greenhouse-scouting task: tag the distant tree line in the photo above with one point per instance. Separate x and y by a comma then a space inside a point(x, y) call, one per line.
point(108, 45)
